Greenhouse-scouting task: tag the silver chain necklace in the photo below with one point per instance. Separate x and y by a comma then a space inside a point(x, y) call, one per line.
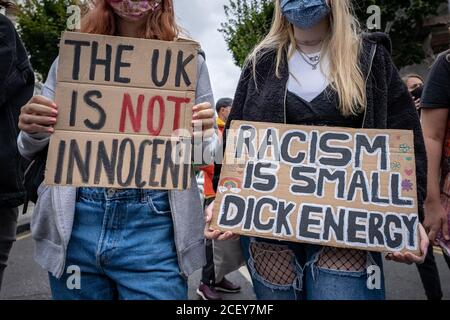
point(313, 61)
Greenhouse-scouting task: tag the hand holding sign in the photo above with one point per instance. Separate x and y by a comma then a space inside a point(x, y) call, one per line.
point(203, 119)
point(212, 234)
point(408, 257)
point(38, 116)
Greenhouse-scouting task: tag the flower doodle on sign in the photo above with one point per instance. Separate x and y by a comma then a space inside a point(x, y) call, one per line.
point(404, 148)
point(395, 165)
point(230, 184)
point(407, 185)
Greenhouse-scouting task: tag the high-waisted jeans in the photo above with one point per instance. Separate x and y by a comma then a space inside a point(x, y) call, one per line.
point(122, 247)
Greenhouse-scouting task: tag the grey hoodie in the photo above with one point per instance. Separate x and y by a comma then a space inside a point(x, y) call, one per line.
point(53, 216)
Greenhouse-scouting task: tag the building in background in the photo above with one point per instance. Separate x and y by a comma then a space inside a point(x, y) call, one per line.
point(437, 42)
point(440, 37)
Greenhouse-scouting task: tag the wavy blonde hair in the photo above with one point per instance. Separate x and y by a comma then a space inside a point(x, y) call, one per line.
point(343, 43)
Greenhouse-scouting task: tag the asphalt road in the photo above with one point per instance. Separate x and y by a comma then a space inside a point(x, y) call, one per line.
point(24, 279)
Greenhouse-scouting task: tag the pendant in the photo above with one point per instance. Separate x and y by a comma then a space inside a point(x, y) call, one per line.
point(314, 67)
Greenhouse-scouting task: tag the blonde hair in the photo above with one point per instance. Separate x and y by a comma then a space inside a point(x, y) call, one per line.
point(344, 45)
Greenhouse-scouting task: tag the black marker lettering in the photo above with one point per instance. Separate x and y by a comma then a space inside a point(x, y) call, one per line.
point(181, 69)
point(233, 209)
point(378, 145)
point(82, 165)
point(301, 174)
point(60, 161)
point(258, 224)
point(120, 64)
point(140, 163)
point(108, 163)
point(346, 154)
point(76, 56)
point(330, 223)
point(131, 165)
point(306, 222)
point(353, 226)
point(94, 105)
point(95, 61)
point(166, 71)
point(286, 144)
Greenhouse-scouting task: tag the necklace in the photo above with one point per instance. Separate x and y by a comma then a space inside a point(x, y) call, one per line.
point(313, 61)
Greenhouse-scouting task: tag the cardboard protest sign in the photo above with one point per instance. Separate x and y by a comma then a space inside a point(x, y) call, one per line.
point(349, 188)
point(124, 113)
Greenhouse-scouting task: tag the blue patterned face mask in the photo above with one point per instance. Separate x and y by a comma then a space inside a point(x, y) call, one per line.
point(304, 14)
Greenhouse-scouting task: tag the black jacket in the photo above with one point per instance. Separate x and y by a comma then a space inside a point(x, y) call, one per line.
point(389, 105)
point(16, 88)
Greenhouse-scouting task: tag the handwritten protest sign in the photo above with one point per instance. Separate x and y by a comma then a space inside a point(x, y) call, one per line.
point(124, 113)
point(349, 188)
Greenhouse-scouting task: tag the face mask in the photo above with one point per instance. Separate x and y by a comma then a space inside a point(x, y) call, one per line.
point(133, 9)
point(304, 14)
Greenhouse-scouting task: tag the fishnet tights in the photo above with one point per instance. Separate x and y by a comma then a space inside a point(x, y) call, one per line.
point(274, 263)
point(342, 259)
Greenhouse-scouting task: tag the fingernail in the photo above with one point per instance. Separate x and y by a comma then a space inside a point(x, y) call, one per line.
point(54, 111)
point(195, 115)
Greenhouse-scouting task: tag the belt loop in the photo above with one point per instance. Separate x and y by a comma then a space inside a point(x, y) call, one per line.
point(142, 195)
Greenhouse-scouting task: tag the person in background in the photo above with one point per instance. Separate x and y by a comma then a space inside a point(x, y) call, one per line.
point(16, 88)
point(209, 286)
point(436, 129)
point(428, 271)
point(414, 82)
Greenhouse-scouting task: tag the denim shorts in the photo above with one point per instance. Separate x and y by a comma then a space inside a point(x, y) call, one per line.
point(308, 281)
point(121, 247)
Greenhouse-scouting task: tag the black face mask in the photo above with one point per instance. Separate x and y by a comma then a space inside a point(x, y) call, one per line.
point(417, 92)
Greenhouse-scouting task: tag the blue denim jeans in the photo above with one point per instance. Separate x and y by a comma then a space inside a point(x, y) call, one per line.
point(123, 244)
point(307, 281)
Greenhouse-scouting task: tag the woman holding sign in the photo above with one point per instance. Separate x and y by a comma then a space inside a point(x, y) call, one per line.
point(316, 68)
point(101, 243)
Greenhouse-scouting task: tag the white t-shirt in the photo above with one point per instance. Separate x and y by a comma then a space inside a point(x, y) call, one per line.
point(306, 82)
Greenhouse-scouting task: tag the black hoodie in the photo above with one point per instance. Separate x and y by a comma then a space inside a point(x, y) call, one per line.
point(389, 104)
point(16, 88)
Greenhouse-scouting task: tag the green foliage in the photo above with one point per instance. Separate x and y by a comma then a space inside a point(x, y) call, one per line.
point(403, 20)
point(40, 25)
point(248, 21)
